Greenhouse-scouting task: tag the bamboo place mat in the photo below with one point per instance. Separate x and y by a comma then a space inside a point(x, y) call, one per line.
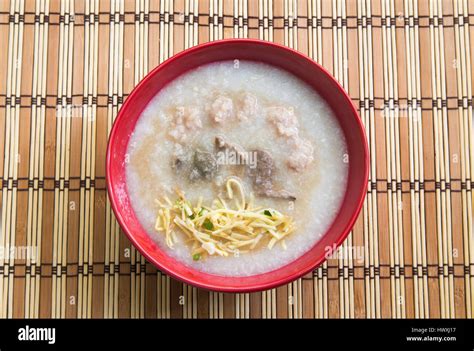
point(406, 65)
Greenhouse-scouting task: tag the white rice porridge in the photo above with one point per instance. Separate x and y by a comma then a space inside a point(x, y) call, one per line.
point(228, 106)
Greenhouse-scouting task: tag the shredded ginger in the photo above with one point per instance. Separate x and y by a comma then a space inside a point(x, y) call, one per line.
point(222, 229)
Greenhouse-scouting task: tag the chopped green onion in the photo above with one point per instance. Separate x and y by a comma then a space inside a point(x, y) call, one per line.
point(208, 224)
point(267, 213)
point(196, 257)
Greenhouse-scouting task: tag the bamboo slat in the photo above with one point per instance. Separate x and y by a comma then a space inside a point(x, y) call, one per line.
point(68, 66)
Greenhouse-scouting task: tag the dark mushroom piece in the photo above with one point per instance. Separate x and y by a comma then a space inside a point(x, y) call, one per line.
point(204, 166)
point(195, 164)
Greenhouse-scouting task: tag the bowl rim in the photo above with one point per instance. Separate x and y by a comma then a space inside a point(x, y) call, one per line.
point(192, 280)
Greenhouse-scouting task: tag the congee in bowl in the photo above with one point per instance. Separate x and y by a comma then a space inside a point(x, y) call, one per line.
point(236, 168)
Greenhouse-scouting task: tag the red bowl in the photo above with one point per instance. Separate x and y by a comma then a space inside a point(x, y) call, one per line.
point(243, 49)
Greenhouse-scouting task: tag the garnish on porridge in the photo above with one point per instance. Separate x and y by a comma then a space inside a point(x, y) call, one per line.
point(222, 229)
